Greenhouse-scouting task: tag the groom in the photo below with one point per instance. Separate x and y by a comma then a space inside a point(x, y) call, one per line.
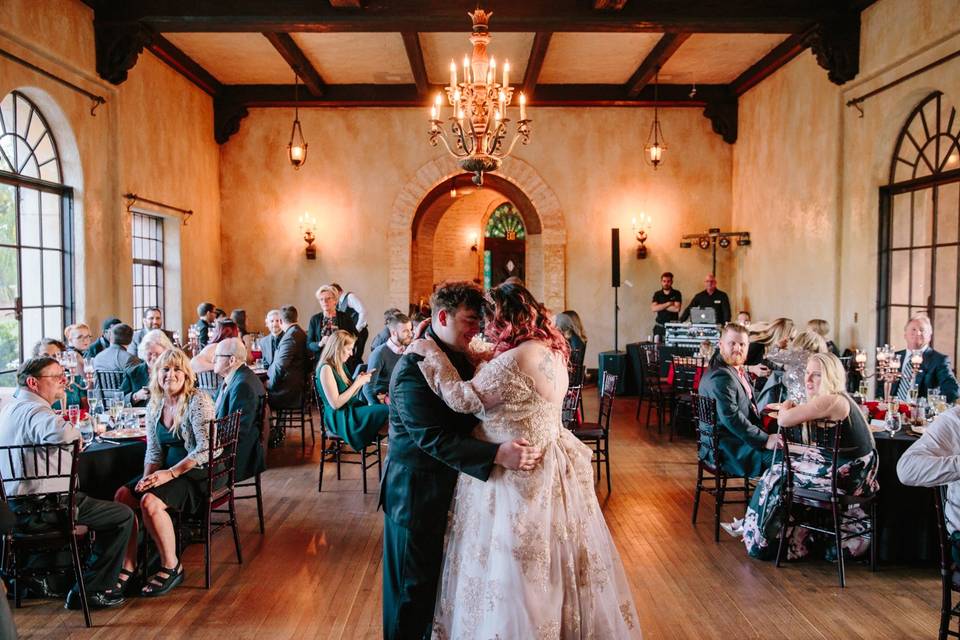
point(430, 444)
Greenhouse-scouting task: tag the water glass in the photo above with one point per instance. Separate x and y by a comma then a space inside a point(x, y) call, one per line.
point(892, 420)
point(864, 389)
point(73, 414)
point(914, 394)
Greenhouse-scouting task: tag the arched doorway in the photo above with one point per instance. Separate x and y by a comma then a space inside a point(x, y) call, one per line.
point(504, 246)
point(518, 183)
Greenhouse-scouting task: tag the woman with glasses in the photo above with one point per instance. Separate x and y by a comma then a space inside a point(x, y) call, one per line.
point(174, 477)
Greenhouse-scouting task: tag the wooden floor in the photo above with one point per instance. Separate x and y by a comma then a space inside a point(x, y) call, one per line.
point(316, 572)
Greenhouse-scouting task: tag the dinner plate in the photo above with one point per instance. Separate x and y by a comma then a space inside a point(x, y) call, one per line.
point(127, 432)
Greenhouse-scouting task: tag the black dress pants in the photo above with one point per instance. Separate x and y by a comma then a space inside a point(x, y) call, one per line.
point(412, 561)
point(113, 523)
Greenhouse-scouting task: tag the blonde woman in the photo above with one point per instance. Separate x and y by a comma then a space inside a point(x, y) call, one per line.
point(825, 383)
point(774, 336)
point(178, 422)
point(344, 409)
point(822, 327)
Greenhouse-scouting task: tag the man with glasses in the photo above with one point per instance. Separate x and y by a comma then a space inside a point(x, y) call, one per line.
point(242, 391)
point(152, 319)
point(29, 419)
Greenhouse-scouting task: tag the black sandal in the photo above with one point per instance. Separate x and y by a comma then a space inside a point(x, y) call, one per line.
point(158, 586)
point(127, 584)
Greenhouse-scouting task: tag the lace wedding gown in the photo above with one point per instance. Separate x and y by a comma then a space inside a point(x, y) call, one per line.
point(527, 554)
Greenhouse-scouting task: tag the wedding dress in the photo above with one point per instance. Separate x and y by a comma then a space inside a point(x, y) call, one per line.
point(527, 554)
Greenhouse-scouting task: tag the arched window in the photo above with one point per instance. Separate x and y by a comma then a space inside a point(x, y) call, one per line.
point(505, 222)
point(36, 235)
point(919, 224)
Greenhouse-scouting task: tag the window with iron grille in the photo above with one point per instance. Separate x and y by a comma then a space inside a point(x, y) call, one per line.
point(920, 227)
point(36, 235)
point(147, 263)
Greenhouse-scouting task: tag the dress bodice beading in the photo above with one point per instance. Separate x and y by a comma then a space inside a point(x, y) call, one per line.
point(501, 395)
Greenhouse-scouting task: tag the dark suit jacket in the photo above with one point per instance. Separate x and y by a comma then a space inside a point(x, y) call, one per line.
point(244, 393)
point(289, 371)
point(742, 441)
point(267, 348)
point(429, 445)
point(137, 377)
point(95, 348)
point(935, 371)
point(315, 331)
point(203, 332)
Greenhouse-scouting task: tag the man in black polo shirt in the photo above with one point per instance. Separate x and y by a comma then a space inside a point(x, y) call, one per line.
point(710, 297)
point(666, 302)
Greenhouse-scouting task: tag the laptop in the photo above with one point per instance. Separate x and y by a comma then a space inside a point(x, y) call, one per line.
point(703, 315)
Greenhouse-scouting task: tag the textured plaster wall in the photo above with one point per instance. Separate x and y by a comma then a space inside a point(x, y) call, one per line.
point(807, 169)
point(153, 137)
point(361, 159)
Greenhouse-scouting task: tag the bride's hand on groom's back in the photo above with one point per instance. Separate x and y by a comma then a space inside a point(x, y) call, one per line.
point(422, 347)
point(518, 454)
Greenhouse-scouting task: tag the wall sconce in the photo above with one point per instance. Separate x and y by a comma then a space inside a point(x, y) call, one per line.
point(475, 247)
point(307, 225)
point(640, 231)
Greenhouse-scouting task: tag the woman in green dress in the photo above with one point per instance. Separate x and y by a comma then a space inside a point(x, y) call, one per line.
point(344, 410)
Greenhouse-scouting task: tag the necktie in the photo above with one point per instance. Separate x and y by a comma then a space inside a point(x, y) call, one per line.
point(906, 378)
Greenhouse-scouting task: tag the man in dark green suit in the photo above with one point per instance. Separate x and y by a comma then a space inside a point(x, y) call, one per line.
point(430, 444)
point(745, 449)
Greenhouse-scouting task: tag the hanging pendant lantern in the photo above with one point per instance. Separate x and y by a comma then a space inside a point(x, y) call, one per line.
point(656, 145)
point(297, 147)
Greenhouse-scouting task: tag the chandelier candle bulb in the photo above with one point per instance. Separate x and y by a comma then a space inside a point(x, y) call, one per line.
point(523, 106)
point(453, 75)
point(506, 75)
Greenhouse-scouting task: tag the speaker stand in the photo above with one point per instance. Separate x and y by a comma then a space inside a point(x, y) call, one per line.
point(616, 318)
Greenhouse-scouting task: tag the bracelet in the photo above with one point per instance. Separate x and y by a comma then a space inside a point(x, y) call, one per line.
point(173, 476)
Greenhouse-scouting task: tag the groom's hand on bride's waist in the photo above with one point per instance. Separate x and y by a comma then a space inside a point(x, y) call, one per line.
point(518, 454)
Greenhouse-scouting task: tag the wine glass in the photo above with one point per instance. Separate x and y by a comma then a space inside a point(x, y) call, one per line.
point(863, 390)
point(892, 419)
point(914, 394)
point(115, 409)
point(94, 403)
point(73, 414)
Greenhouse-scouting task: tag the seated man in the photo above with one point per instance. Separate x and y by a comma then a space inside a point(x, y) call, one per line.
point(381, 337)
point(116, 357)
point(932, 461)
point(136, 382)
point(103, 341)
point(152, 319)
point(289, 372)
point(935, 370)
point(242, 391)
point(29, 419)
point(269, 343)
point(747, 450)
point(385, 357)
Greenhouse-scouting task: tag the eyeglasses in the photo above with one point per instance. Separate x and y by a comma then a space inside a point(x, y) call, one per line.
point(52, 375)
point(223, 355)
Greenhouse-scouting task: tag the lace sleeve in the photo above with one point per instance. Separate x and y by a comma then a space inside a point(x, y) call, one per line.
point(200, 414)
point(463, 396)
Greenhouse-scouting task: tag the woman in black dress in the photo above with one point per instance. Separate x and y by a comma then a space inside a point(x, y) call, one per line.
point(174, 477)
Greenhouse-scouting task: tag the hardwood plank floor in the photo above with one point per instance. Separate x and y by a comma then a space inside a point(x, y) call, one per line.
point(316, 572)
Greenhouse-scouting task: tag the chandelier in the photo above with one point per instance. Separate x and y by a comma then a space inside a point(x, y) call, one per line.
point(656, 145)
point(478, 122)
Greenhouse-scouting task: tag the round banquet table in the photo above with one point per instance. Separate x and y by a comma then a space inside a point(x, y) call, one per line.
point(106, 466)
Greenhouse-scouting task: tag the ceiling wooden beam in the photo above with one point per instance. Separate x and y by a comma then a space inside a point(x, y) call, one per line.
point(346, 4)
point(609, 5)
point(661, 52)
point(297, 60)
point(768, 64)
point(651, 16)
point(411, 42)
point(538, 52)
point(184, 64)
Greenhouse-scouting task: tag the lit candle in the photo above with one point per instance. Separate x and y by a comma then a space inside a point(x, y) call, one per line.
point(492, 71)
point(466, 70)
point(438, 102)
point(433, 112)
point(916, 359)
point(656, 152)
point(296, 152)
point(861, 356)
point(506, 75)
point(453, 75)
point(523, 106)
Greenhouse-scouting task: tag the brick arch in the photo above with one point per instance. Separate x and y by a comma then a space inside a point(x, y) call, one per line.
point(546, 270)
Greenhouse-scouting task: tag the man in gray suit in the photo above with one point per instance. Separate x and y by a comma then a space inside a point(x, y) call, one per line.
point(289, 371)
point(270, 342)
point(116, 357)
point(744, 448)
point(152, 319)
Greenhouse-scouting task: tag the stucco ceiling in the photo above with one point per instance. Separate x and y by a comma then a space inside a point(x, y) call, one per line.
point(380, 58)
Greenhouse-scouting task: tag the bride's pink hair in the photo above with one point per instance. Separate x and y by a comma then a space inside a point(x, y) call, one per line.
point(514, 316)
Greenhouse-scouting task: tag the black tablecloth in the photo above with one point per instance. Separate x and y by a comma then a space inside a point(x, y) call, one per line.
point(907, 520)
point(107, 466)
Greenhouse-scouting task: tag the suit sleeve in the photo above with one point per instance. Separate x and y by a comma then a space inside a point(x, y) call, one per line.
point(313, 336)
point(126, 387)
point(415, 404)
point(379, 382)
point(728, 413)
point(946, 380)
point(279, 368)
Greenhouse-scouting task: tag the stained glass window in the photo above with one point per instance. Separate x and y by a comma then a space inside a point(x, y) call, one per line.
point(506, 223)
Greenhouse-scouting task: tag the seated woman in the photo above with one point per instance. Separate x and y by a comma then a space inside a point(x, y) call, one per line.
point(225, 328)
point(571, 327)
point(74, 392)
point(78, 338)
point(136, 381)
point(789, 366)
point(344, 410)
point(769, 339)
point(827, 399)
point(174, 477)
point(822, 328)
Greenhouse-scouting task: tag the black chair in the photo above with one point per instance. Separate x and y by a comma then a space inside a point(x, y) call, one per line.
point(576, 374)
point(50, 463)
point(823, 437)
point(108, 381)
point(708, 445)
point(254, 482)
point(210, 383)
point(949, 577)
point(221, 469)
point(682, 390)
point(296, 418)
point(340, 452)
point(656, 391)
point(597, 434)
point(570, 413)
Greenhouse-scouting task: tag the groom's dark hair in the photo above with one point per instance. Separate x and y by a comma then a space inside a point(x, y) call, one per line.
point(451, 295)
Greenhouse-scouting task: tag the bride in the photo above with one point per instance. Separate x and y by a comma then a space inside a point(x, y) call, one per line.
point(527, 554)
